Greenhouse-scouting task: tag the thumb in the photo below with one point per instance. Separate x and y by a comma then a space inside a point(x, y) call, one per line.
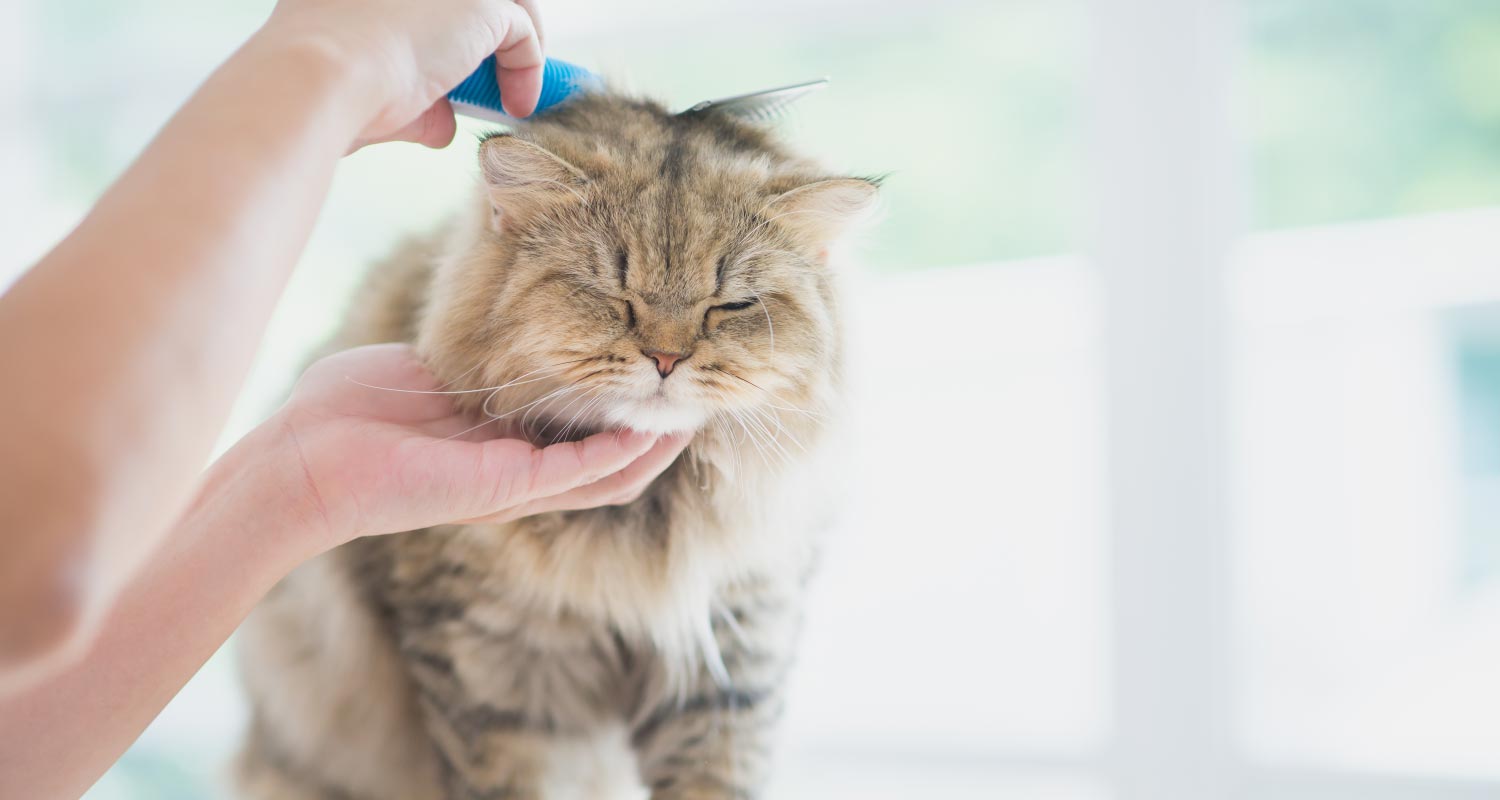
point(434, 128)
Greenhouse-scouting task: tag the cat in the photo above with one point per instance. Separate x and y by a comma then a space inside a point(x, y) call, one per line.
point(623, 266)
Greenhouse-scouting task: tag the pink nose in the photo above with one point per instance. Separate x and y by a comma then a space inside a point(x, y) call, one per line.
point(664, 361)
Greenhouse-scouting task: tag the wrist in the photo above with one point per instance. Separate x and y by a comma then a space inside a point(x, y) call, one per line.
point(258, 492)
point(323, 64)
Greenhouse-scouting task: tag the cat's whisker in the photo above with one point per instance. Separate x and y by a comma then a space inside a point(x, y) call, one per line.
point(752, 437)
point(467, 430)
point(735, 446)
point(570, 403)
point(766, 223)
point(484, 408)
point(788, 407)
point(517, 382)
point(560, 434)
point(768, 251)
point(559, 183)
point(775, 419)
point(810, 414)
point(771, 441)
point(746, 438)
point(781, 430)
point(770, 326)
point(548, 396)
point(769, 454)
point(583, 392)
point(595, 395)
point(759, 411)
point(726, 435)
point(541, 403)
point(466, 373)
point(752, 421)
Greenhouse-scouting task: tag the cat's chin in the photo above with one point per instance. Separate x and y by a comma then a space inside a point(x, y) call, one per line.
point(657, 415)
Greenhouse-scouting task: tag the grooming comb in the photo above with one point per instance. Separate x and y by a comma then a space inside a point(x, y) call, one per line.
point(479, 95)
point(763, 106)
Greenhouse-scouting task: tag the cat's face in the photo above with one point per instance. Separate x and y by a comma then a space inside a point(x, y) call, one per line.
point(658, 296)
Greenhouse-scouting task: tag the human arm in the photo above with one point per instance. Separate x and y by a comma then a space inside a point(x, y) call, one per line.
point(339, 460)
point(123, 349)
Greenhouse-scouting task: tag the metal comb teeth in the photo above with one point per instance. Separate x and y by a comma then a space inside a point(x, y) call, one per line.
point(763, 106)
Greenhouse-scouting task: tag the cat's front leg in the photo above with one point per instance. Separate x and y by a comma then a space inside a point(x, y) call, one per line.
point(715, 746)
point(715, 742)
point(488, 754)
point(517, 706)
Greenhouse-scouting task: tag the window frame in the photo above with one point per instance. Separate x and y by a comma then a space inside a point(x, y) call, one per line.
point(1170, 210)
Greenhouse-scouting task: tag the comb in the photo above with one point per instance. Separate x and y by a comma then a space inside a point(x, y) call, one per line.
point(479, 95)
point(763, 106)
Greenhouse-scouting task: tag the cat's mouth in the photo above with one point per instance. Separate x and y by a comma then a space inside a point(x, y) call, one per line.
point(657, 413)
point(653, 404)
point(642, 402)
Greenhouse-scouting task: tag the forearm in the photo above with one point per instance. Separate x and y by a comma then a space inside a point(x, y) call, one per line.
point(134, 335)
point(244, 531)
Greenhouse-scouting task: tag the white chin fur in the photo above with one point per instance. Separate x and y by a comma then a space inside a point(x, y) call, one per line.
point(656, 416)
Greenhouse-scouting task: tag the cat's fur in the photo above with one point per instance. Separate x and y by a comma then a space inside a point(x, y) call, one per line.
point(589, 654)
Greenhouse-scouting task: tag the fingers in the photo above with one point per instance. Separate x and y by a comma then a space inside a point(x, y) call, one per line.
point(521, 480)
point(519, 58)
point(561, 467)
point(618, 488)
point(533, 11)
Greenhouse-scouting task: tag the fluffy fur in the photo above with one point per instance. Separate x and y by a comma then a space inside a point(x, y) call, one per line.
point(613, 652)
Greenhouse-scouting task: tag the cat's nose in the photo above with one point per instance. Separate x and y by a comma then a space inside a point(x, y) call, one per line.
point(665, 361)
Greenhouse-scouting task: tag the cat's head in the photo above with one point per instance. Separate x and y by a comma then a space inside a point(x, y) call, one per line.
point(636, 268)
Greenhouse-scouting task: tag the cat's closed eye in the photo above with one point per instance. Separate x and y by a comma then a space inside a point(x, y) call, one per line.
point(740, 306)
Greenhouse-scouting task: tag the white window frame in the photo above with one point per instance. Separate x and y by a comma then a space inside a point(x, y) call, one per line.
point(1169, 210)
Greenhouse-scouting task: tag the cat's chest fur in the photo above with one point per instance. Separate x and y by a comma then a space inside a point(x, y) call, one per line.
point(607, 591)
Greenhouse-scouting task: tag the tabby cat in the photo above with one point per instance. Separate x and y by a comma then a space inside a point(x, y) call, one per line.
point(638, 268)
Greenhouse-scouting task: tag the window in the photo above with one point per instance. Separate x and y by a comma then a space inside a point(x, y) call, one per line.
point(1366, 434)
point(1475, 344)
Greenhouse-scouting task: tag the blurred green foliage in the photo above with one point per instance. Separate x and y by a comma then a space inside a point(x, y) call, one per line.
point(972, 113)
point(1372, 108)
point(1355, 108)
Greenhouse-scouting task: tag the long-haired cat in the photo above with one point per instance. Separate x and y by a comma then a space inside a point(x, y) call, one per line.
point(624, 267)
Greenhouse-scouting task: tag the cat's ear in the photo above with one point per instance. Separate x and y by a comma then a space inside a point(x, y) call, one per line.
point(823, 211)
point(523, 175)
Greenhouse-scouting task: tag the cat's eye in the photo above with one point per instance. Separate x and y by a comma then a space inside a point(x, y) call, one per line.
point(622, 265)
point(726, 307)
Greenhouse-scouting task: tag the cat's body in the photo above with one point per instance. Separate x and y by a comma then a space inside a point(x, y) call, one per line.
point(617, 651)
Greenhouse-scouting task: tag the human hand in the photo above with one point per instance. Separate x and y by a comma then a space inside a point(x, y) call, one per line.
point(374, 461)
point(405, 56)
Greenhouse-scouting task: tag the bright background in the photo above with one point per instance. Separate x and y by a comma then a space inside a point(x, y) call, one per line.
point(1182, 479)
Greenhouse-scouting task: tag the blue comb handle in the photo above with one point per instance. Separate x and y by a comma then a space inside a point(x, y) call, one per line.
point(479, 94)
